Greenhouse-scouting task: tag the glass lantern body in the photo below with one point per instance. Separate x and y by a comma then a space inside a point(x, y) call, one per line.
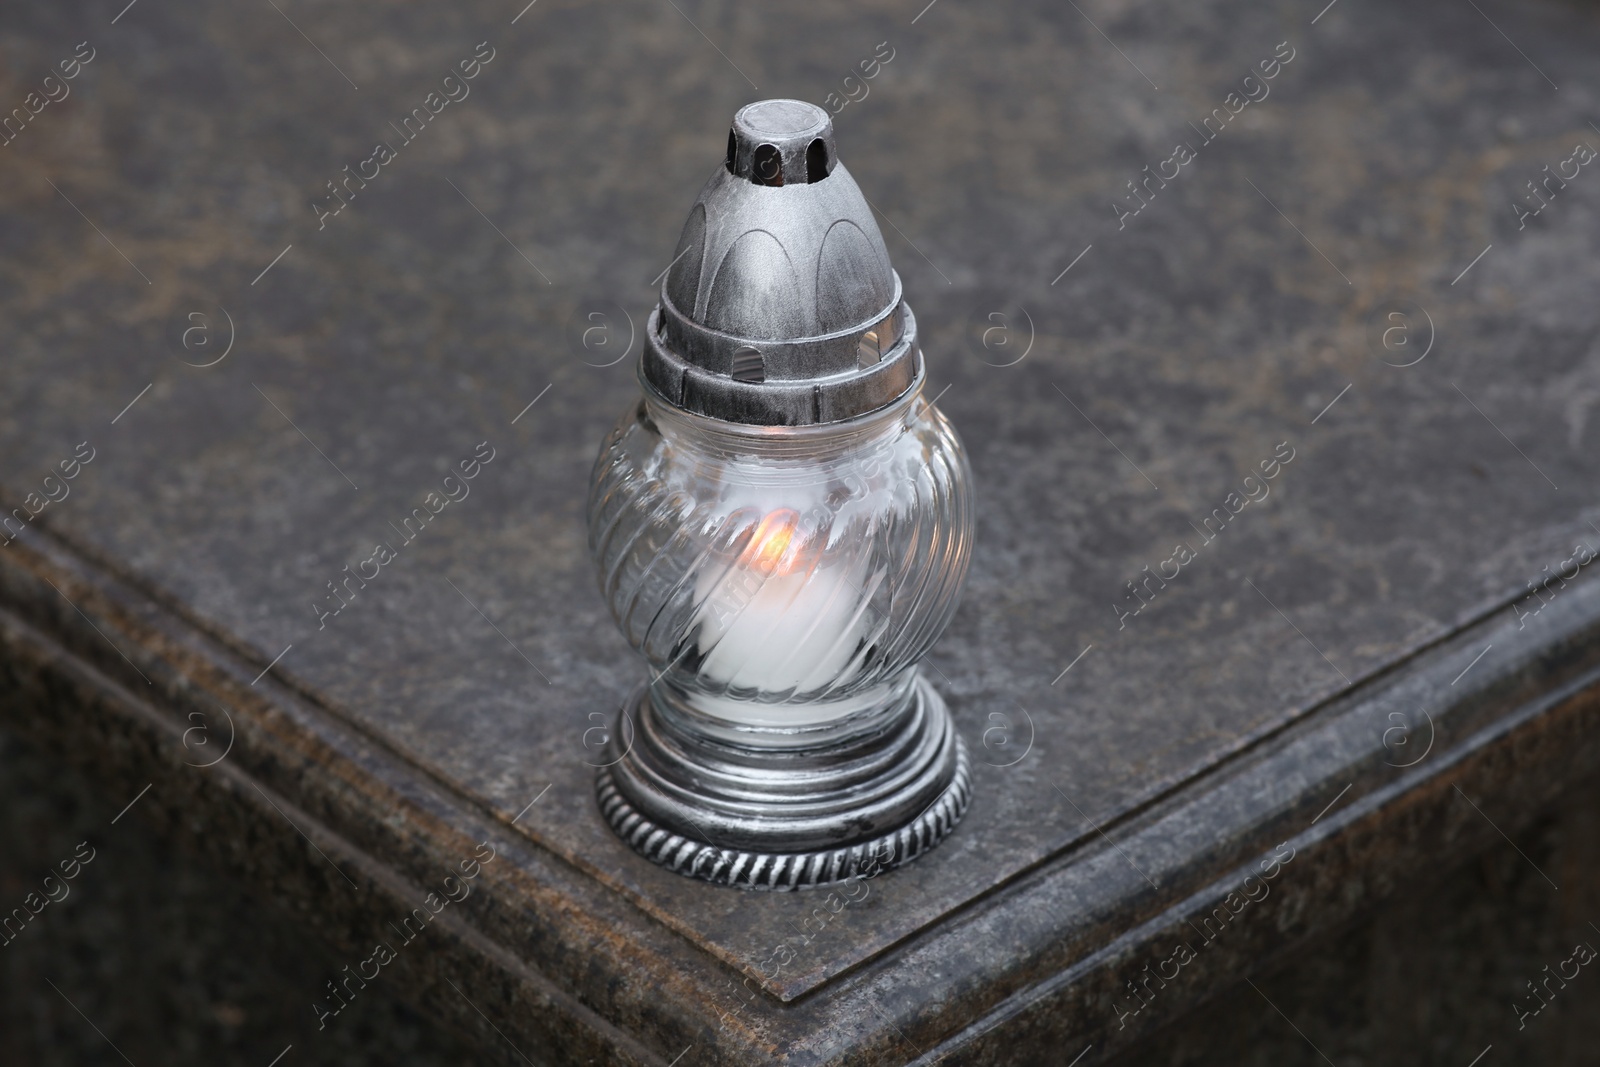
point(781, 581)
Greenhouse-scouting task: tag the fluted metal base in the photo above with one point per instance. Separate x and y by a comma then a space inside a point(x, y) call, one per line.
point(869, 799)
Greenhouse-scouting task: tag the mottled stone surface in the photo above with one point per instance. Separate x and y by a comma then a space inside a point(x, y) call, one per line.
point(181, 966)
point(1172, 358)
point(1431, 976)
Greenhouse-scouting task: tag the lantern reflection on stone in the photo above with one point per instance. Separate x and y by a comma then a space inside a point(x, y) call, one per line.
point(782, 526)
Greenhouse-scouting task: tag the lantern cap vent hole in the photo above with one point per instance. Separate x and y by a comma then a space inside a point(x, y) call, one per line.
point(748, 366)
point(781, 142)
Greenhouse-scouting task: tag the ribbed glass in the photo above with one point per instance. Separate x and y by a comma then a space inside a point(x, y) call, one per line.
point(781, 577)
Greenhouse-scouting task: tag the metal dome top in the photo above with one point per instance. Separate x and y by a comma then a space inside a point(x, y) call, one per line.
point(780, 307)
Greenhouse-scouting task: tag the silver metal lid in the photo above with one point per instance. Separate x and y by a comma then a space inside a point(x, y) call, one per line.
point(780, 307)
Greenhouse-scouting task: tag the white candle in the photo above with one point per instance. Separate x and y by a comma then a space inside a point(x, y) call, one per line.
point(781, 620)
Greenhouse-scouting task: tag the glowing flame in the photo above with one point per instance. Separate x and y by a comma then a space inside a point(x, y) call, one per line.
point(771, 542)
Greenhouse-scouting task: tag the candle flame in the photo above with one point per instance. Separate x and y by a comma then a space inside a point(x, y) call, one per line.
point(771, 541)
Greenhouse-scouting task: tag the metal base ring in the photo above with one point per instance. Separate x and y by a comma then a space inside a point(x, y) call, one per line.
point(648, 796)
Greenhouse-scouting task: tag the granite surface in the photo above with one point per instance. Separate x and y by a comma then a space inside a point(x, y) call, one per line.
point(180, 965)
point(1146, 365)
